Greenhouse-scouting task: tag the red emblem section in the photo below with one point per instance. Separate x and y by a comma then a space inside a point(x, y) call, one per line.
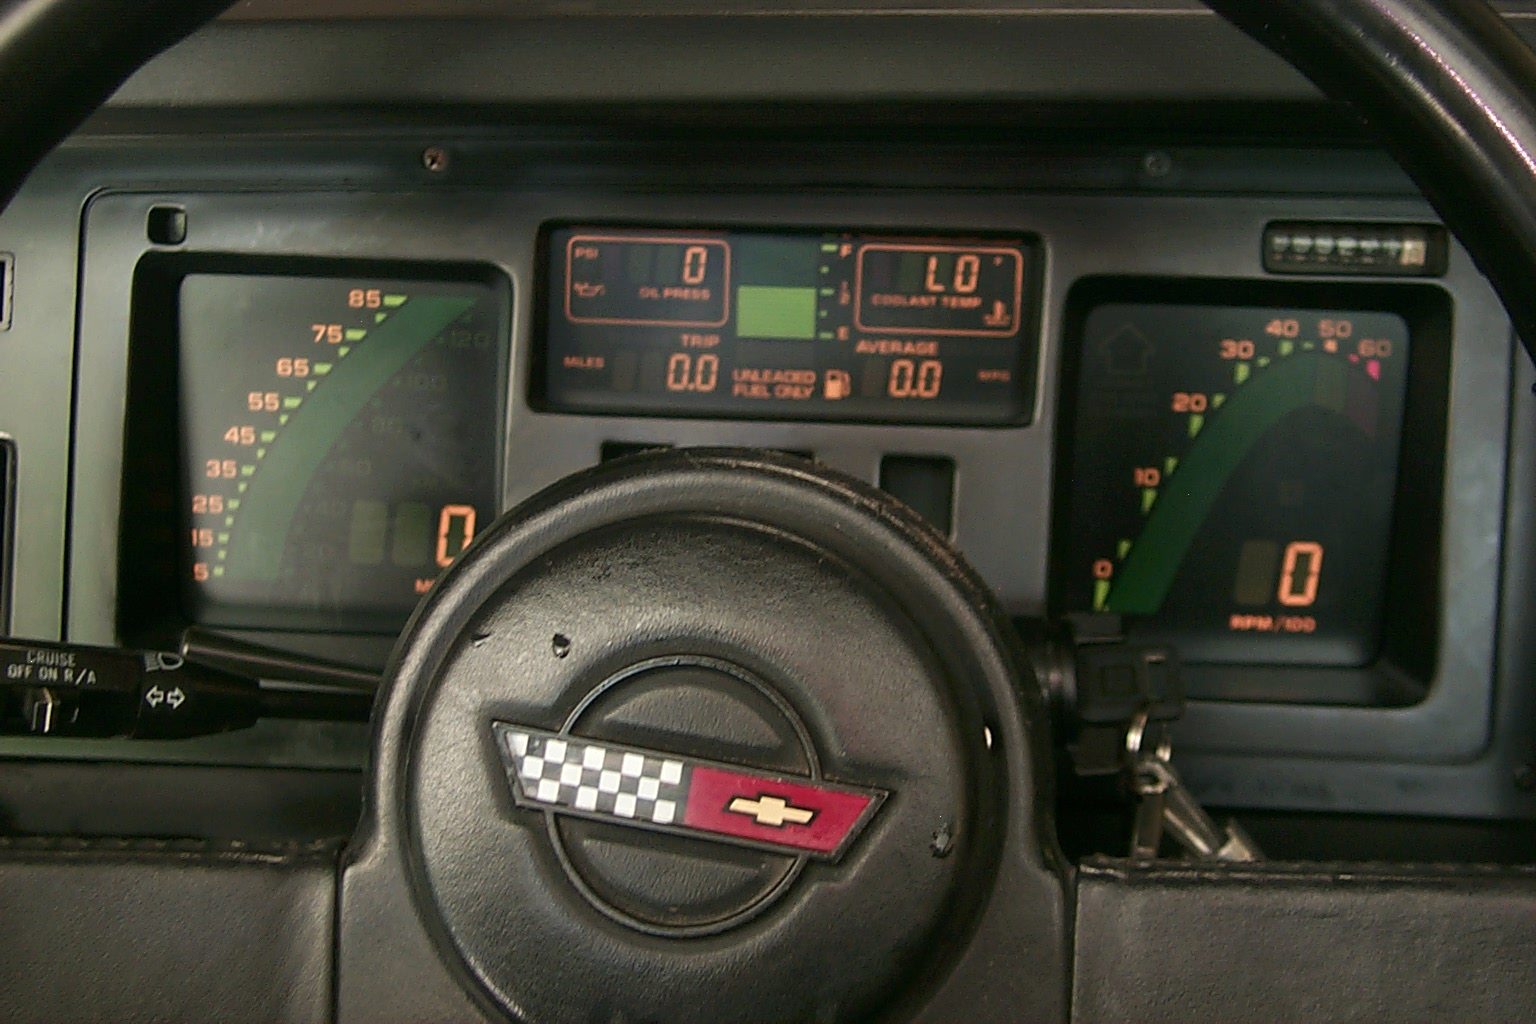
point(566, 774)
point(808, 816)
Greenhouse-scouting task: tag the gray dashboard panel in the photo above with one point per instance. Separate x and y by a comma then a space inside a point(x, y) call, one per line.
point(535, 54)
point(1310, 756)
point(36, 368)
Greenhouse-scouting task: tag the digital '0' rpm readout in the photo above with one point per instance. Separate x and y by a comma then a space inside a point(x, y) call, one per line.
point(791, 325)
point(340, 442)
point(1232, 477)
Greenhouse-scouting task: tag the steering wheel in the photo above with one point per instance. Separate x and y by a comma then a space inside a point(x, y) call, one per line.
point(830, 801)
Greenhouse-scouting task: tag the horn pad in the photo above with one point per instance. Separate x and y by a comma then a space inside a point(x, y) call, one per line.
point(702, 737)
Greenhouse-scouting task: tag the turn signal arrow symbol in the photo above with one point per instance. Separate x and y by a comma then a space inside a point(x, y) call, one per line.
point(771, 811)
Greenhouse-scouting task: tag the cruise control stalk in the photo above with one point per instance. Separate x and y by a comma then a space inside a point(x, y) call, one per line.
point(54, 689)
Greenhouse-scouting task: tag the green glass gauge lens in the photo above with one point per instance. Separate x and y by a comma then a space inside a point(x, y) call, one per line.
point(1232, 477)
point(340, 446)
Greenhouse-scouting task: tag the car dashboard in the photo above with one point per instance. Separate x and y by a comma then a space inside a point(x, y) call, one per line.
point(307, 307)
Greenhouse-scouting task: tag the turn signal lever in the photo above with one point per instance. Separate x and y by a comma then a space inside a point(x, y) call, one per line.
point(53, 689)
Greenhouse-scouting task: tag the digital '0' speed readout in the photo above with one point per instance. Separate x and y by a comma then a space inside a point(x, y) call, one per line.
point(749, 324)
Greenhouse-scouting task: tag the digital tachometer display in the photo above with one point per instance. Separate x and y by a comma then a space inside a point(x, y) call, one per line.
point(339, 437)
point(1231, 477)
point(788, 325)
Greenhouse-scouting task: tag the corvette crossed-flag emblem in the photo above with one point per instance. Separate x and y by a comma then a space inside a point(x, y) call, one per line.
point(564, 774)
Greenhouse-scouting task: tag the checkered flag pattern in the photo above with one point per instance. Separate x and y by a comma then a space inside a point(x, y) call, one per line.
point(598, 779)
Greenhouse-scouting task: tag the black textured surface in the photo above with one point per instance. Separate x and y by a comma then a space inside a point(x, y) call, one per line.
point(136, 931)
point(1312, 942)
point(196, 802)
point(863, 619)
point(846, 933)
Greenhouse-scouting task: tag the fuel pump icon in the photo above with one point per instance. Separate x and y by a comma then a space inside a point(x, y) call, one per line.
point(836, 385)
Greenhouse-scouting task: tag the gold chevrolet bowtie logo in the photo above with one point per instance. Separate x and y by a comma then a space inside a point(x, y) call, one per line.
point(771, 810)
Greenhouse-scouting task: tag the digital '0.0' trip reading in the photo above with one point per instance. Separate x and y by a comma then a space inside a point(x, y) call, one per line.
point(333, 424)
point(804, 325)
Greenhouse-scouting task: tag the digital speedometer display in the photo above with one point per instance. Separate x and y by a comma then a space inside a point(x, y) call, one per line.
point(1231, 477)
point(339, 440)
point(788, 325)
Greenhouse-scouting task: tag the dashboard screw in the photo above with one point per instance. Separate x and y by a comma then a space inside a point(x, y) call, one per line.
point(435, 159)
point(1157, 164)
point(1525, 777)
point(560, 646)
point(943, 842)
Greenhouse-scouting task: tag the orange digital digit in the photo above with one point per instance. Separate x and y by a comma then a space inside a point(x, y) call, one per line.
point(1299, 573)
point(684, 373)
point(695, 264)
point(967, 273)
point(912, 379)
point(455, 529)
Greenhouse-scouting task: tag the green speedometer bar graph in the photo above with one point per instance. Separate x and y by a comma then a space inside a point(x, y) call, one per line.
point(312, 422)
point(340, 440)
point(1232, 477)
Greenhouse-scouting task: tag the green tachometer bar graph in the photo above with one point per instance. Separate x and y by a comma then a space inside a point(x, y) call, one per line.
point(1143, 580)
point(270, 503)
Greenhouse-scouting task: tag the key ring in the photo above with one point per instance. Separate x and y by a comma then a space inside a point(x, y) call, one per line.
point(1136, 734)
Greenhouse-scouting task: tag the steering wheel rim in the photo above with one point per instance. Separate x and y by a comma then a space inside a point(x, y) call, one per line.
point(1463, 128)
